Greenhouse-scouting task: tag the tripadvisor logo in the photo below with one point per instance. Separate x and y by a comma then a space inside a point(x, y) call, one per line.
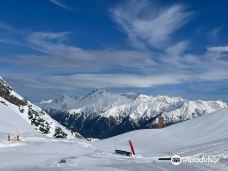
point(176, 160)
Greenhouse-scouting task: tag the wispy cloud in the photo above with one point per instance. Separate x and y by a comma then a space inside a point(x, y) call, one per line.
point(61, 4)
point(6, 27)
point(99, 81)
point(58, 55)
point(58, 64)
point(177, 49)
point(148, 24)
point(213, 35)
point(218, 49)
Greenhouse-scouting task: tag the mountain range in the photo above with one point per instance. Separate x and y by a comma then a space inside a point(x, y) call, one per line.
point(102, 114)
point(39, 149)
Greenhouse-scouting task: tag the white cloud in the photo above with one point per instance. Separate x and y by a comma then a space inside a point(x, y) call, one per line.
point(99, 81)
point(214, 74)
point(60, 4)
point(58, 55)
point(218, 49)
point(147, 24)
point(177, 49)
point(61, 57)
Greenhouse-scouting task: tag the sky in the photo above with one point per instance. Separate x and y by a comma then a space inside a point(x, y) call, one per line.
point(157, 47)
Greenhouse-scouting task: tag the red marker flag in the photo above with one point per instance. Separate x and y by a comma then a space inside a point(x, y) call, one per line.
point(132, 148)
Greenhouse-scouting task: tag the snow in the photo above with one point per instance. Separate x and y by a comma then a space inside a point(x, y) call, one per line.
point(202, 136)
point(14, 121)
point(99, 101)
point(19, 107)
point(63, 103)
point(108, 104)
point(208, 128)
point(11, 122)
point(206, 135)
point(15, 94)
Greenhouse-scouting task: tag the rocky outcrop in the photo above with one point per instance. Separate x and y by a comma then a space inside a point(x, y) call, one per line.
point(34, 115)
point(5, 92)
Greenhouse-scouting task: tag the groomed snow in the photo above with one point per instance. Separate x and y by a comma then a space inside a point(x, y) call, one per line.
point(12, 123)
point(206, 135)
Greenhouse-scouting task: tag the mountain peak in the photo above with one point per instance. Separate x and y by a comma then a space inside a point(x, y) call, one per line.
point(95, 93)
point(131, 95)
point(65, 97)
point(99, 91)
point(143, 97)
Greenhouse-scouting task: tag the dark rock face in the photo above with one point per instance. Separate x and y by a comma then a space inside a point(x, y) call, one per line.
point(98, 127)
point(5, 90)
point(40, 123)
point(59, 133)
point(62, 161)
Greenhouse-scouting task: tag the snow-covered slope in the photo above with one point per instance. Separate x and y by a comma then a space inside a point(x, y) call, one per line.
point(63, 103)
point(102, 114)
point(11, 122)
point(12, 105)
point(97, 100)
point(198, 136)
point(203, 136)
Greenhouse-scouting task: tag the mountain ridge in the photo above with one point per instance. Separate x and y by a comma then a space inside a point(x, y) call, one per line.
point(102, 114)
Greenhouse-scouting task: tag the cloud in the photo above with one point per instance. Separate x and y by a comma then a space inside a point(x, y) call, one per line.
point(178, 48)
point(213, 35)
point(57, 64)
point(148, 24)
point(99, 81)
point(57, 54)
point(6, 27)
point(214, 74)
point(60, 4)
point(218, 49)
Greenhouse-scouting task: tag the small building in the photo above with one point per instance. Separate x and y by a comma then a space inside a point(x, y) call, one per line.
point(13, 138)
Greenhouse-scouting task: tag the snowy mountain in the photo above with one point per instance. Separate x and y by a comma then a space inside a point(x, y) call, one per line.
point(63, 103)
point(17, 115)
point(97, 99)
point(102, 114)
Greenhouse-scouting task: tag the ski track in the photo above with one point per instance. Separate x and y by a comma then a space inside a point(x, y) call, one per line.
point(200, 147)
point(104, 160)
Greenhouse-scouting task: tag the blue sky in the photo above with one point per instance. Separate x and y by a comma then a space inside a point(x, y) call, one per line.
point(176, 48)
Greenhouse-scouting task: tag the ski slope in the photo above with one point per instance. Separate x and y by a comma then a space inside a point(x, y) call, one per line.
point(206, 135)
point(12, 123)
point(205, 131)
